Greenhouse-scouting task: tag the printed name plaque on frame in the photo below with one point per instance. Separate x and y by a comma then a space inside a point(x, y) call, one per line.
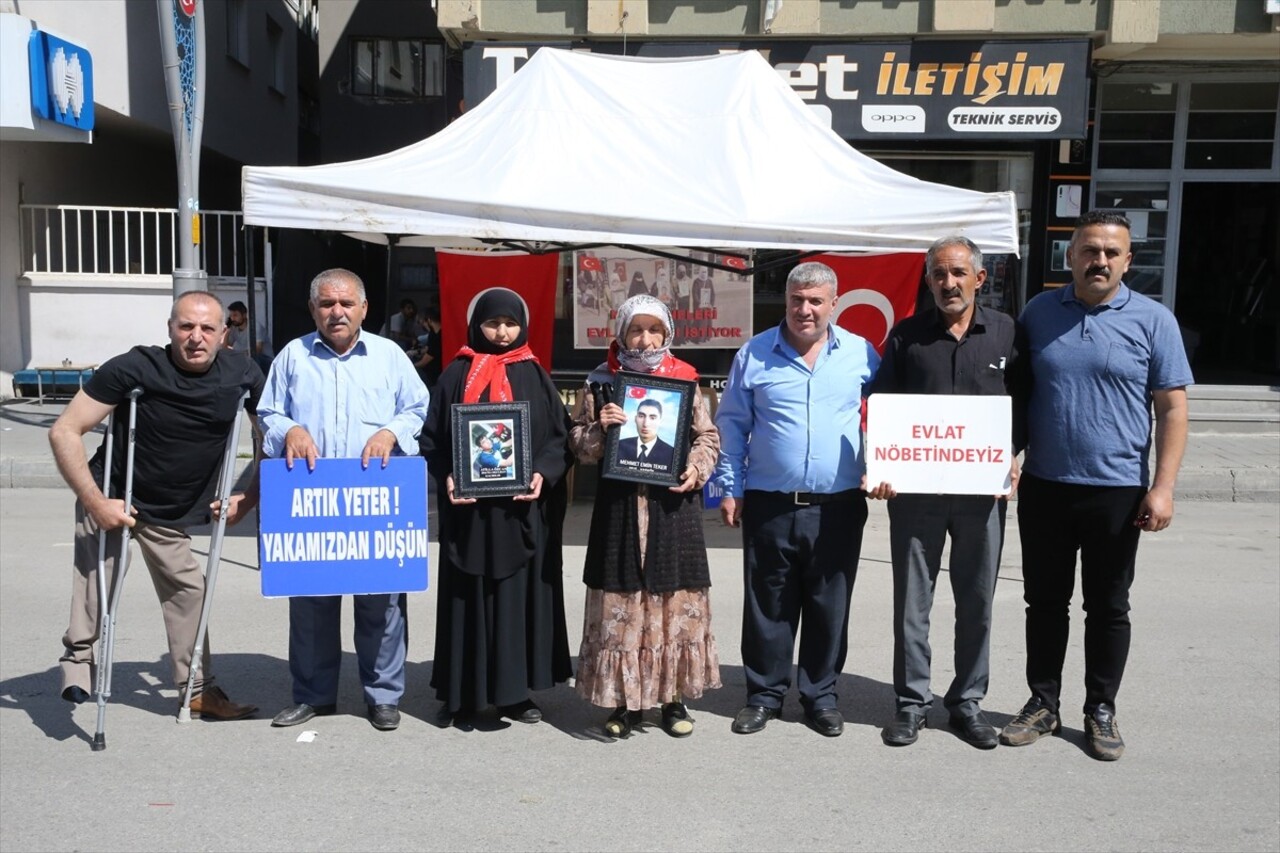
point(491, 451)
point(343, 529)
point(652, 446)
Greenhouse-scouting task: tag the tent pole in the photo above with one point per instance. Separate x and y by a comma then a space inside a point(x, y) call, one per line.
point(392, 239)
point(250, 302)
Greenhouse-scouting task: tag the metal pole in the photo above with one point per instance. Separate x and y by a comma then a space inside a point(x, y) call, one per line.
point(249, 287)
point(183, 53)
point(392, 239)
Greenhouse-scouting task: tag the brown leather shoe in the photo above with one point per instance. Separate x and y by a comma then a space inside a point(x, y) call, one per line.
point(215, 705)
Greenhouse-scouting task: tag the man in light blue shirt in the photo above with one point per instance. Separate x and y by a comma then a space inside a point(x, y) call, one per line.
point(791, 466)
point(340, 393)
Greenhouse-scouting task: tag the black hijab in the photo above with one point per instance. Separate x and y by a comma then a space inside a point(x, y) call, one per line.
point(491, 303)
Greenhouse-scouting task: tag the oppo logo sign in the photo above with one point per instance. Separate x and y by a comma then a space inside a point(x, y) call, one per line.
point(892, 119)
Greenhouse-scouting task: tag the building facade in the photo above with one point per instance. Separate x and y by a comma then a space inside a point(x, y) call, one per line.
point(1164, 109)
point(87, 228)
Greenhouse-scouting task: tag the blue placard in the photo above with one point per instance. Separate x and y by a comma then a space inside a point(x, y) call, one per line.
point(712, 492)
point(61, 80)
point(342, 529)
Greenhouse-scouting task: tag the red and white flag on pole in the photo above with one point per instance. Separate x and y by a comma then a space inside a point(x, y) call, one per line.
point(464, 274)
point(874, 291)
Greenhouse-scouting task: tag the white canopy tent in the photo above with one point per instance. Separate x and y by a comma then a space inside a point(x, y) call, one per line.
point(583, 149)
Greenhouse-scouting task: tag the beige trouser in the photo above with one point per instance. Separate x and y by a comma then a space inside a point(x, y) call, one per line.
point(179, 583)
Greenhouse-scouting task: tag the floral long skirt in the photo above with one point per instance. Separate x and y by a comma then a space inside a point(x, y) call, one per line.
point(641, 649)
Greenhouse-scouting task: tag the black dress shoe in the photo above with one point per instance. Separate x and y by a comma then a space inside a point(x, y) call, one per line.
point(904, 730)
point(300, 713)
point(384, 718)
point(826, 722)
point(523, 712)
point(974, 730)
point(753, 718)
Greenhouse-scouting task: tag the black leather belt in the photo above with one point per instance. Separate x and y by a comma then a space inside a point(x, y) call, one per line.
point(813, 498)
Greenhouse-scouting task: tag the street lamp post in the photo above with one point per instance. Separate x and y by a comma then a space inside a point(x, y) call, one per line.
point(182, 47)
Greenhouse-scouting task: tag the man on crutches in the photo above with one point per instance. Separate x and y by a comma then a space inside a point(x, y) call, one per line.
point(192, 393)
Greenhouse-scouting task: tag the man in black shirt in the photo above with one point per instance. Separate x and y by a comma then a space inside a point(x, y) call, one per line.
point(191, 396)
point(958, 348)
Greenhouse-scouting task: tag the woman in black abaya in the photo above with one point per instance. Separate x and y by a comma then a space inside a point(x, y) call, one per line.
point(500, 622)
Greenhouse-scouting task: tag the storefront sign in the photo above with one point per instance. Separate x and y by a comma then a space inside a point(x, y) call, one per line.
point(899, 90)
point(61, 80)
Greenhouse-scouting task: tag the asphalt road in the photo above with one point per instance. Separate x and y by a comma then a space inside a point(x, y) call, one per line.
point(1202, 770)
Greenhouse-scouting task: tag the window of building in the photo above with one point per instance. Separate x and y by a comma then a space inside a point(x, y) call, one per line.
point(1147, 207)
point(399, 69)
point(238, 31)
point(1157, 136)
point(275, 49)
point(1231, 125)
point(1136, 125)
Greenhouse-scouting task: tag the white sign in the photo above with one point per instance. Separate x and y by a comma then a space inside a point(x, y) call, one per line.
point(939, 444)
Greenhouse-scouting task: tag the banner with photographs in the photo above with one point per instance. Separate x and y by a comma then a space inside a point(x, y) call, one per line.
point(711, 308)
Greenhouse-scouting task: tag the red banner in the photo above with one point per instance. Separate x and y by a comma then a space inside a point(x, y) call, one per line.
point(875, 291)
point(463, 275)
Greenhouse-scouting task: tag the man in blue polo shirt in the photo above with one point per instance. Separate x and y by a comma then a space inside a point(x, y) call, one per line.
point(1100, 357)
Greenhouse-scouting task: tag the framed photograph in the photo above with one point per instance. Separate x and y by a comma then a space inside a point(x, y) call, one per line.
point(491, 455)
point(652, 446)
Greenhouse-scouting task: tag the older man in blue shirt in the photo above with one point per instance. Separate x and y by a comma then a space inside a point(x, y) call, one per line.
point(791, 465)
point(341, 392)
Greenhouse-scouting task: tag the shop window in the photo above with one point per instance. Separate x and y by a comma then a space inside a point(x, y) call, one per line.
point(396, 69)
point(1231, 125)
point(1147, 207)
point(1136, 125)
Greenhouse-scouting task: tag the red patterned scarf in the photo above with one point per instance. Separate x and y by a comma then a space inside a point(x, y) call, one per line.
point(490, 371)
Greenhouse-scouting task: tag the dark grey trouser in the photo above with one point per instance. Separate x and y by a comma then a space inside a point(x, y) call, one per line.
point(919, 526)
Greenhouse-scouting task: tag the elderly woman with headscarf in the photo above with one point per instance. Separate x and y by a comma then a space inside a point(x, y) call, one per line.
point(500, 623)
point(646, 638)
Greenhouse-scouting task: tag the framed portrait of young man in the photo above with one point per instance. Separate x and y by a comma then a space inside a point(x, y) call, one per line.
point(491, 454)
point(653, 445)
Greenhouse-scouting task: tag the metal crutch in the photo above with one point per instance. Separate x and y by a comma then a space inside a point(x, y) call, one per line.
point(107, 609)
point(225, 482)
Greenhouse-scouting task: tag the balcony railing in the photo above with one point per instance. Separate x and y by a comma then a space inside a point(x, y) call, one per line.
point(115, 241)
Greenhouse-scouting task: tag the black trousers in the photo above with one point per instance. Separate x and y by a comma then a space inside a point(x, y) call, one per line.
point(1055, 521)
point(799, 564)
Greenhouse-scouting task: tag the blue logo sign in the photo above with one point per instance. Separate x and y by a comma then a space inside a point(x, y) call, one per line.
point(61, 81)
point(341, 529)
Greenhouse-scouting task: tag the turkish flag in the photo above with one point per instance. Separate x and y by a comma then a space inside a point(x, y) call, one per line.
point(463, 275)
point(589, 262)
point(874, 291)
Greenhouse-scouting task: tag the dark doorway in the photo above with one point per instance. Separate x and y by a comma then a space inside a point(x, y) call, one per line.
point(1228, 302)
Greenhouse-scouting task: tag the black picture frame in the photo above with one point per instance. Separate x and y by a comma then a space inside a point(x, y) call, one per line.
point(506, 427)
point(674, 399)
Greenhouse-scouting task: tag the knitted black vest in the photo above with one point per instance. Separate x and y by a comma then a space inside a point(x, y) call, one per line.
point(676, 557)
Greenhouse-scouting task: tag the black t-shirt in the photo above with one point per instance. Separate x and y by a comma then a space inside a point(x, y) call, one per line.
point(921, 357)
point(184, 421)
